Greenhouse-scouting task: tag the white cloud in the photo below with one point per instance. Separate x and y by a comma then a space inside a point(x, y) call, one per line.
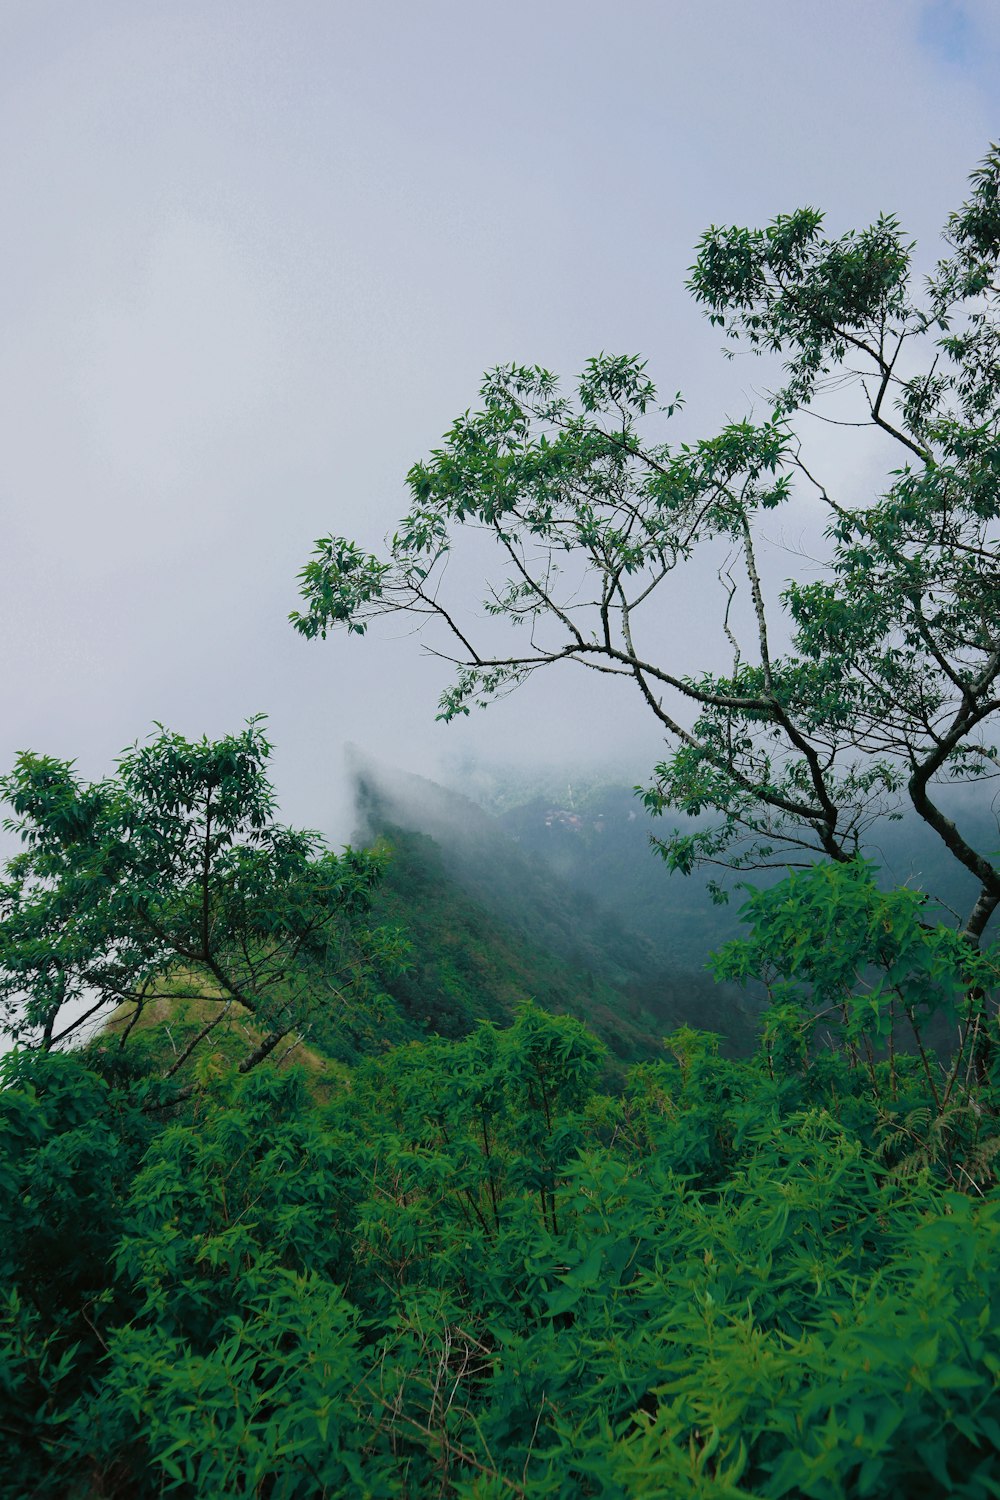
point(257, 257)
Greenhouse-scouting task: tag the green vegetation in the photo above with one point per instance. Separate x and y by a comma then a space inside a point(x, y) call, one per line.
point(470, 1271)
point(265, 1233)
point(465, 1266)
point(465, 965)
point(488, 923)
point(172, 880)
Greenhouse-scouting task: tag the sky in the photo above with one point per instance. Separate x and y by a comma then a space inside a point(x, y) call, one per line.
point(258, 256)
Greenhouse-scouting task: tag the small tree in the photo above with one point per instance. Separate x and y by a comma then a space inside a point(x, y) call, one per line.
point(889, 682)
point(171, 880)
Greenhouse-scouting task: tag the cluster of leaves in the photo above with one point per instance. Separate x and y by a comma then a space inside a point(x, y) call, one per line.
point(842, 959)
point(471, 1271)
point(173, 879)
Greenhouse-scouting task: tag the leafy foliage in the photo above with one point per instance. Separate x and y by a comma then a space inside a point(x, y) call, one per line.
point(472, 1272)
point(888, 682)
point(172, 879)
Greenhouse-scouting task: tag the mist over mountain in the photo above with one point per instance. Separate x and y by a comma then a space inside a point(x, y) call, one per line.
point(546, 886)
point(590, 828)
point(558, 929)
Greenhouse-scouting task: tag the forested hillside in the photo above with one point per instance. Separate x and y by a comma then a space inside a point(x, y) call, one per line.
point(595, 834)
point(493, 1262)
point(493, 920)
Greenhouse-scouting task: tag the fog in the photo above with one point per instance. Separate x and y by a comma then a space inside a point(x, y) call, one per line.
point(258, 257)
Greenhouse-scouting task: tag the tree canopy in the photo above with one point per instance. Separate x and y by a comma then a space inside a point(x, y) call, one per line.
point(847, 695)
point(170, 880)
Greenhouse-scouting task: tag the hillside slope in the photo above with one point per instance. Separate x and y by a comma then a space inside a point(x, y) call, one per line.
point(492, 922)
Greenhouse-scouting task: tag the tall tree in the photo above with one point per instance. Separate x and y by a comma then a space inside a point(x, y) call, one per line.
point(170, 880)
point(846, 696)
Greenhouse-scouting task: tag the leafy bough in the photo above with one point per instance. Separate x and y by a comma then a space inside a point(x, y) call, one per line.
point(171, 881)
point(848, 695)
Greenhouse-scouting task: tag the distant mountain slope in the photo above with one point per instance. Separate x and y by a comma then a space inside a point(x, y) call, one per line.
point(569, 871)
point(598, 842)
point(492, 922)
point(594, 832)
point(556, 898)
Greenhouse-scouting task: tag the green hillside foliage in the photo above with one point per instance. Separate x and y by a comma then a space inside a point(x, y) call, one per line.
point(491, 920)
point(443, 1241)
point(467, 965)
point(473, 1271)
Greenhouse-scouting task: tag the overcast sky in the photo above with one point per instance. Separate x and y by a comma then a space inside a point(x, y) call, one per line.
point(257, 257)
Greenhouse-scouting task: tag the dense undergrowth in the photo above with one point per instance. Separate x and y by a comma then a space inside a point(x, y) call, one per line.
point(468, 1270)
